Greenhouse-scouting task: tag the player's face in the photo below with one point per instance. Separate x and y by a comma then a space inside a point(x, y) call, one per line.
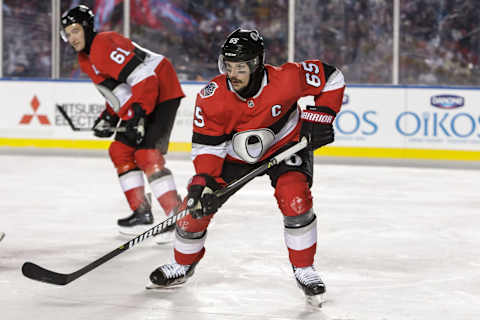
point(75, 36)
point(238, 73)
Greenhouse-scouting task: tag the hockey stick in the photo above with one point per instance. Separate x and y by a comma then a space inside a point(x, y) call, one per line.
point(35, 272)
point(75, 128)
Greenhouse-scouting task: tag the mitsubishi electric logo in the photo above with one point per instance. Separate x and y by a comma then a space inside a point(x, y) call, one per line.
point(27, 118)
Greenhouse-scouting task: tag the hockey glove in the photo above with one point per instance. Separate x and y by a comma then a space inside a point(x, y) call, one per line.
point(104, 124)
point(201, 198)
point(317, 126)
point(135, 126)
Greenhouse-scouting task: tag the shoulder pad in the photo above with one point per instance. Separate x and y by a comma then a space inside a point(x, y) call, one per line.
point(208, 90)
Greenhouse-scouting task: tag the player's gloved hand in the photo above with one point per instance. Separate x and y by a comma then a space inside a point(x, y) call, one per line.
point(201, 200)
point(104, 124)
point(317, 126)
point(135, 126)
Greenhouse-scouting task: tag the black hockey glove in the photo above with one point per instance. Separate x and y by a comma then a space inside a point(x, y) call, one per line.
point(104, 124)
point(135, 126)
point(201, 198)
point(317, 126)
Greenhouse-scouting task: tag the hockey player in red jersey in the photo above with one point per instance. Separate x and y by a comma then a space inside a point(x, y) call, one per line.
point(143, 93)
point(242, 117)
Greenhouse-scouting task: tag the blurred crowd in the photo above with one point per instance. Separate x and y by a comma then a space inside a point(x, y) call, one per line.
point(439, 39)
point(192, 37)
point(355, 35)
point(27, 29)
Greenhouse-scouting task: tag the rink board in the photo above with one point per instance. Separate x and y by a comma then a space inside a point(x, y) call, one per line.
point(375, 121)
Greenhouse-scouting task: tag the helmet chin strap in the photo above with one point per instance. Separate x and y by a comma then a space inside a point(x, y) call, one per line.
point(253, 85)
point(89, 36)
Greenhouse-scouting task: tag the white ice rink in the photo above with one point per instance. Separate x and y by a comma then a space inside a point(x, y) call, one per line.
point(394, 243)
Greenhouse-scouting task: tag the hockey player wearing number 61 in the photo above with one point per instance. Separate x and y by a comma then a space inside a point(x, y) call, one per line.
point(143, 93)
point(243, 116)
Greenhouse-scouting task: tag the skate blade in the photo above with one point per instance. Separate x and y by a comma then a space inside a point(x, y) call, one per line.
point(316, 301)
point(153, 286)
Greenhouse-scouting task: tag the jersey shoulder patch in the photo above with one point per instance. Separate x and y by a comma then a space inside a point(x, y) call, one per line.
point(208, 90)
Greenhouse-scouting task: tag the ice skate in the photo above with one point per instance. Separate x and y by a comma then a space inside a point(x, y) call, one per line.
point(312, 286)
point(171, 275)
point(138, 222)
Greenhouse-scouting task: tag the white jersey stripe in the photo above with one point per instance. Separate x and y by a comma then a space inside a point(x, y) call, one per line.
point(335, 81)
point(145, 69)
point(218, 150)
point(123, 92)
point(225, 148)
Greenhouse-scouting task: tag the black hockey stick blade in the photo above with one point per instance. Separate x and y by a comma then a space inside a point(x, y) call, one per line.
point(35, 272)
point(38, 273)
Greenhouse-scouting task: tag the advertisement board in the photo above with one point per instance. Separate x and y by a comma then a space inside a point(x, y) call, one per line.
point(413, 122)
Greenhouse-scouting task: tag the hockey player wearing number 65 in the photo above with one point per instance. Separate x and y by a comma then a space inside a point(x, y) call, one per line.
point(143, 93)
point(242, 117)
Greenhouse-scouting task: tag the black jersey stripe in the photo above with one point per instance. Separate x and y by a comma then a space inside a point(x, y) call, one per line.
point(210, 140)
point(277, 126)
point(216, 140)
point(328, 70)
point(110, 83)
point(138, 57)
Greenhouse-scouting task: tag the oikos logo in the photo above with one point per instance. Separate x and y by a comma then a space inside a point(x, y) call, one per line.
point(447, 123)
point(438, 124)
point(349, 122)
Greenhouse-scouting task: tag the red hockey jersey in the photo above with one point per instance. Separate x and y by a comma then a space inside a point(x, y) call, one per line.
point(227, 126)
point(125, 73)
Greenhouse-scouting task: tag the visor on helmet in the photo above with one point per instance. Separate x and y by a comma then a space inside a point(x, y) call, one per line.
point(252, 64)
point(63, 34)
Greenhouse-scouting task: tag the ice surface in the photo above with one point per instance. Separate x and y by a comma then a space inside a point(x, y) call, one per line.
point(395, 243)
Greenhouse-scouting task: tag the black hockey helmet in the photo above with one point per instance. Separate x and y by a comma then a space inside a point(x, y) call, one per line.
point(243, 45)
point(81, 15)
point(247, 46)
